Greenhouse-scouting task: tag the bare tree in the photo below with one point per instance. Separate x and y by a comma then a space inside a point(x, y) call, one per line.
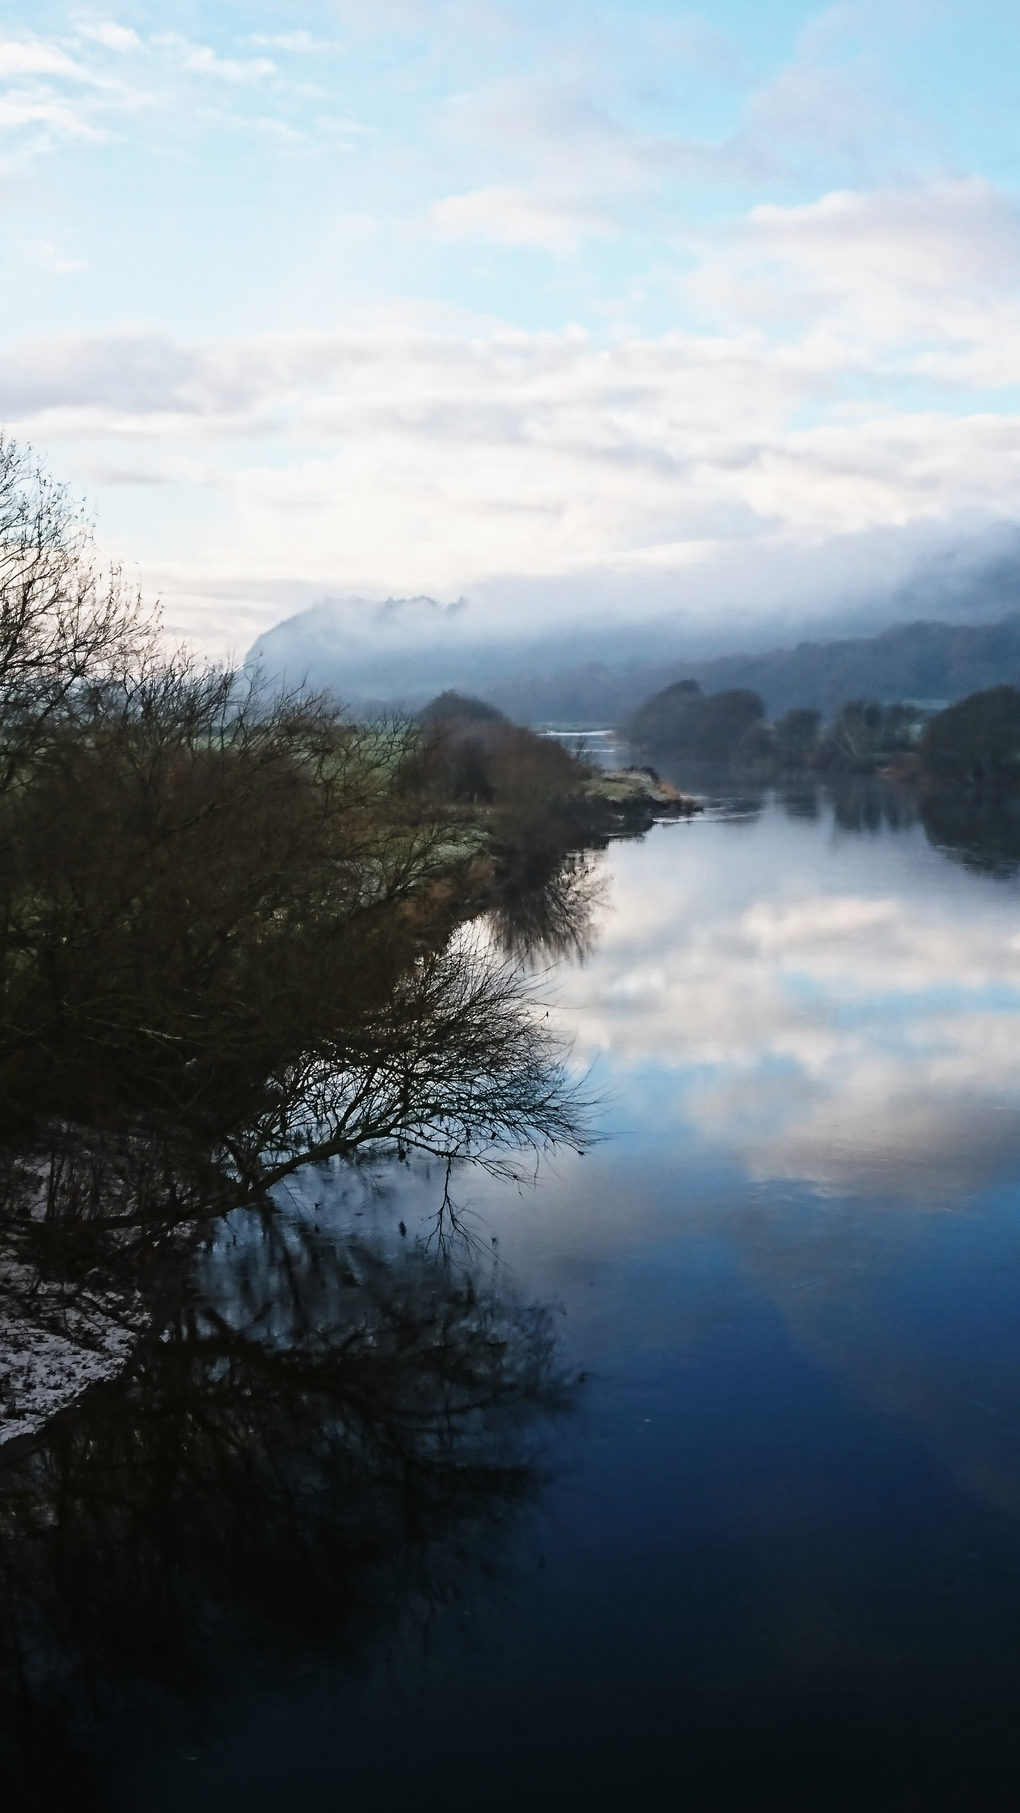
point(228, 916)
point(64, 622)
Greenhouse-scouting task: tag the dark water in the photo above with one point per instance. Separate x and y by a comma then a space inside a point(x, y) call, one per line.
point(740, 1525)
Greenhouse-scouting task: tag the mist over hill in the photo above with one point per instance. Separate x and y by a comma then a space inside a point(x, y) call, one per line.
point(588, 651)
point(930, 662)
point(602, 676)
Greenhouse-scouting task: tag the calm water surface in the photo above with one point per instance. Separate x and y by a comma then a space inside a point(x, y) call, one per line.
point(769, 1546)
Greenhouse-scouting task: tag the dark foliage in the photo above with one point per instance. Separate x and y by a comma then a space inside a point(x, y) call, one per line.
point(226, 917)
point(976, 742)
point(796, 734)
point(757, 751)
point(865, 735)
point(681, 723)
point(530, 787)
point(452, 707)
point(862, 737)
point(923, 661)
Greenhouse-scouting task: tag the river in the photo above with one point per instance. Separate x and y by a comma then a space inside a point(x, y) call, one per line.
point(749, 1530)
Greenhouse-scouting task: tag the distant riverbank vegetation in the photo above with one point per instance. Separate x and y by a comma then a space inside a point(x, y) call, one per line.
point(973, 744)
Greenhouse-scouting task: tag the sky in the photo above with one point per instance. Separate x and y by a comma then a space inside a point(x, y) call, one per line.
point(569, 311)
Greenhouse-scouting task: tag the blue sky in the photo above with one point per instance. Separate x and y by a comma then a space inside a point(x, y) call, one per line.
point(583, 308)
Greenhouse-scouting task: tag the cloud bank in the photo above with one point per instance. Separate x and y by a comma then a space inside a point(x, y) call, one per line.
point(571, 319)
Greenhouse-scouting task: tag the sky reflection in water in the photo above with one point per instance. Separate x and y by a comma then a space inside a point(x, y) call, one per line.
point(779, 1533)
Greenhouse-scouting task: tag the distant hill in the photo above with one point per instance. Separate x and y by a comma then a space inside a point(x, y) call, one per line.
point(592, 675)
point(933, 662)
point(923, 661)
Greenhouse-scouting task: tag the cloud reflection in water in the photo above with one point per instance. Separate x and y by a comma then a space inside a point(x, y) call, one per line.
point(852, 1024)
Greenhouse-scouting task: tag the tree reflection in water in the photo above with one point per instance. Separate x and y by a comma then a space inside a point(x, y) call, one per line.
point(553, 917)
point(320, 1438)
point(457, 1060)
point(982, 832)
point(862, 803)
point(302, 1440)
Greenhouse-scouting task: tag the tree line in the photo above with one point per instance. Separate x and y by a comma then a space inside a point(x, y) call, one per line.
point(974, 743)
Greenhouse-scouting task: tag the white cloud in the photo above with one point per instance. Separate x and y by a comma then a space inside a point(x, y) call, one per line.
point(616, 118)
point(832, 115)
point(20, 108)
point(50, 98)
point(779, 415)
point(201, 59)
point(920, 281)
point(120, 38)
point(298, 43)
point(424, 458)
point(561, 139)
point(511, 217)
point(803, 387)
point(88, 96)
point(35, 57)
